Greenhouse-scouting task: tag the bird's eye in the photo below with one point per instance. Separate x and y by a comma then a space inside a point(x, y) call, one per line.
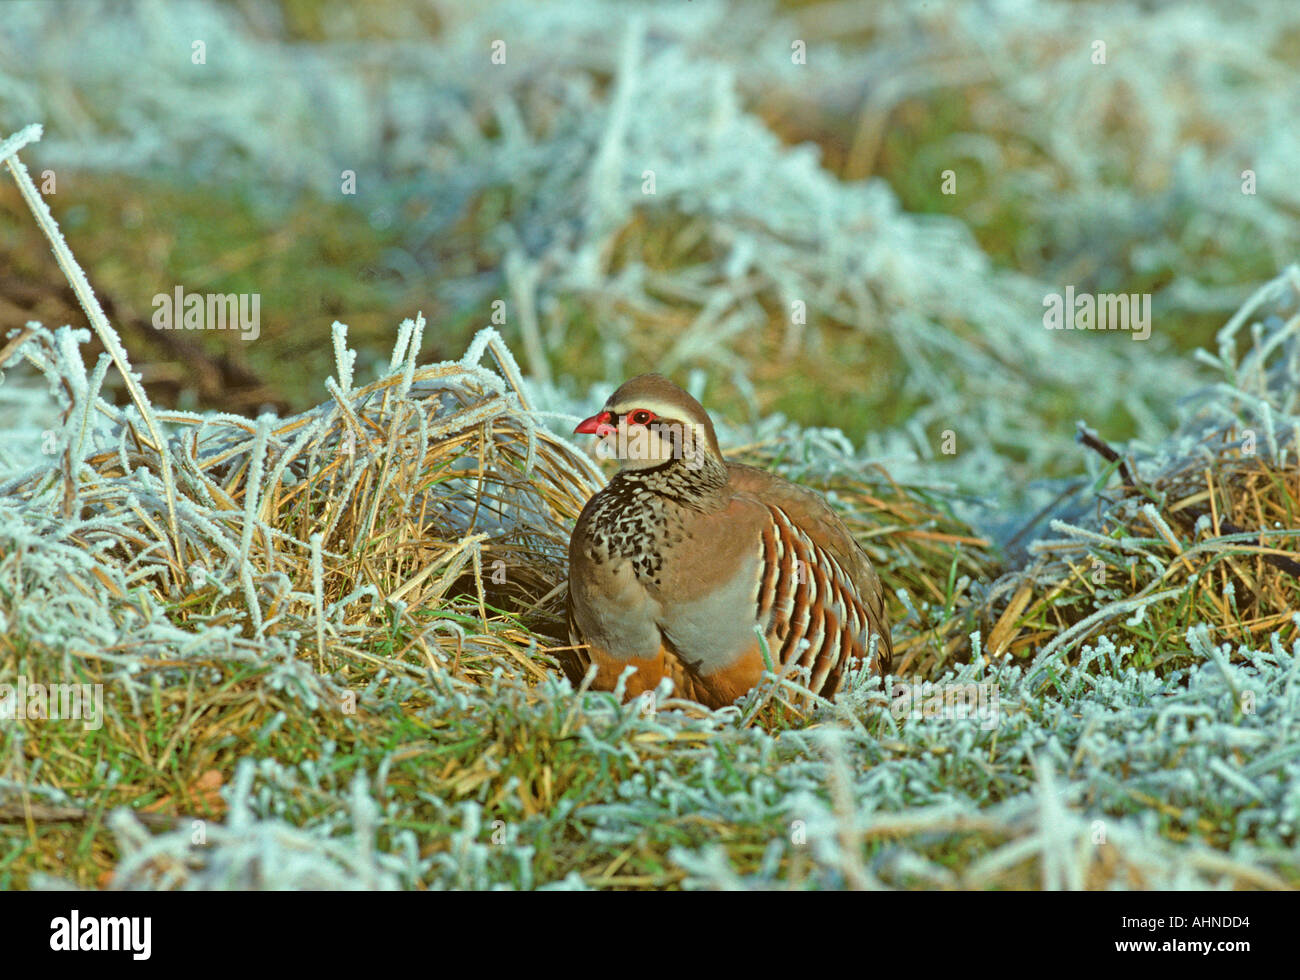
point(641, 416)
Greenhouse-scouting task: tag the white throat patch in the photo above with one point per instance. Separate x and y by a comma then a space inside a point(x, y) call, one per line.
point(643, 446)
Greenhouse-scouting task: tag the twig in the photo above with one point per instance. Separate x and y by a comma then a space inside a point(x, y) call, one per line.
point(47, 813)
point(1090, 440)
point(1187, 518)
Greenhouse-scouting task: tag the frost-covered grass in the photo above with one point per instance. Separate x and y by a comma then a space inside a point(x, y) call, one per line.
point(329, 642)
point(371, 719)
point(775, 184)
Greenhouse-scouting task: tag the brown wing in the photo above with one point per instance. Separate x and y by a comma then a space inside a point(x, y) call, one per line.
point(818, 584)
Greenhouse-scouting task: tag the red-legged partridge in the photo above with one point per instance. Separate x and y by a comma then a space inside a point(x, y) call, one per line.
point(674, 563)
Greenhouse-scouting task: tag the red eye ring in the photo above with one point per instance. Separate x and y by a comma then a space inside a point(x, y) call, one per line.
point(641, 416)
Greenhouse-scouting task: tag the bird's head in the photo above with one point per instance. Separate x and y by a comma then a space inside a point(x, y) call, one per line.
point(649, 421)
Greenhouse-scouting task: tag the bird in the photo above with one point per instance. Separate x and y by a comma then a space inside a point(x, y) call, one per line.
point(691, 567)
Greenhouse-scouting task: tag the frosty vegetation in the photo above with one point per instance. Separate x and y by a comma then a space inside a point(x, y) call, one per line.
point(353, 612)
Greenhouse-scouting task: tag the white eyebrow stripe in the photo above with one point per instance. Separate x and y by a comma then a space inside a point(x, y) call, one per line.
point(665, 410)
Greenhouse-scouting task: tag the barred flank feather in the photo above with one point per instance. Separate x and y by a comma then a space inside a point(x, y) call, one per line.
point(808, 606)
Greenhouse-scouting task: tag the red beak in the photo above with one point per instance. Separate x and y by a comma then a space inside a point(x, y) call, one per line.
point(589, 426)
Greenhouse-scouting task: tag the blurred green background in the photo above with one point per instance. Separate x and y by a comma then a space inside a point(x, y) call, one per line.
point(831, 124)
